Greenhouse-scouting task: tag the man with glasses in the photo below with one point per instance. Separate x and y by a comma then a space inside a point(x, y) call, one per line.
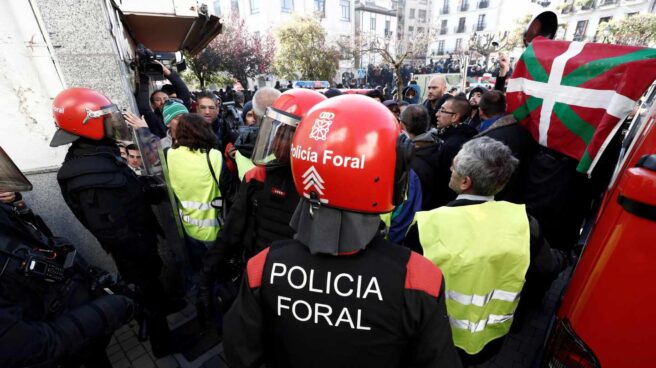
point(452, 130)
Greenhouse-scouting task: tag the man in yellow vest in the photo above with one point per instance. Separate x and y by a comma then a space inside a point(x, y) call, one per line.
point(486, 249)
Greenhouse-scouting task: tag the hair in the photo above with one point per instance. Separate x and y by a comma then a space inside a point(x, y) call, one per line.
point(461, 107)
point(207, 94)
point(264, 98)
point(131, 147)
point(416, 119)
point(152, 95)
point(194, 133)
point(168, 89)
point(375, 93)
point(239, 96)
point(492, 103)
point(489, 164)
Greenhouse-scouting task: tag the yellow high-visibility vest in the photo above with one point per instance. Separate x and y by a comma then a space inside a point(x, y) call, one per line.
point(483, 251)
point(195, 189)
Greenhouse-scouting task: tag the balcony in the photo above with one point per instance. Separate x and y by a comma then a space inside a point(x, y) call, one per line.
point(459, 29)
point(464, 6)
point(444, 10)
point(566, 8)
point(443, 30)
point(479, 27)
point(584, 5)
point(483, 4)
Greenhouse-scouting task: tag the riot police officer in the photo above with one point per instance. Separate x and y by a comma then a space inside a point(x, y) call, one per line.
point(50, 315)
point(107, 197)
point(339, 294)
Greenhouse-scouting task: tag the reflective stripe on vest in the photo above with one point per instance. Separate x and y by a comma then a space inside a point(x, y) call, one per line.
point(196, 190)
point(482, 300)
point(479, 326)
point(484, 252)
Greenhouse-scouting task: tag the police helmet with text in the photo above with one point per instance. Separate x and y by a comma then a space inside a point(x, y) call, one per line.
point(348, 154)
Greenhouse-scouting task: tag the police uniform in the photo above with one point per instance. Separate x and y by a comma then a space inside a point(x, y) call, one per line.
point(46, 323)
point(107, 198)
point(379, 307)
point(259, 215)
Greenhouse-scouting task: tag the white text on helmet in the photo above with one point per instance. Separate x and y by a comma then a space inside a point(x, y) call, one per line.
point(59, 110)
point(328, 157)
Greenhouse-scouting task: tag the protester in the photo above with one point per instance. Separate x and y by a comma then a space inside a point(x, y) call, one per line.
point(397, 318)
point(507, 130)
point(474, 98)
point(134, 157)
point(393, 106)
point(454, 132)
point(492, 107)
point(411, 94)
point(437, 88)
point(376, 94)
point(484, 246)
point(428, 149)
point(195, 169)
point(207, 108)
point(151, 108)
point(248, 115)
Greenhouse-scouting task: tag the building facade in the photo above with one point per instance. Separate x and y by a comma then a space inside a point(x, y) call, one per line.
point(580, 20)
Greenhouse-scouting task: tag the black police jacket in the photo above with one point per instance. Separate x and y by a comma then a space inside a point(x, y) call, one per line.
point(43, 323)
point(380, 307)
point(108, 199)
point(260, 214)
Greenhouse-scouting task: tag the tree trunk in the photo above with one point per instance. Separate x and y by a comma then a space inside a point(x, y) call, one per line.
point(399, 82)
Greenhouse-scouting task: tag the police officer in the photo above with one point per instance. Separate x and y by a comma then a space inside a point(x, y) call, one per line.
point(106, 196)
point(266, 198)
point(49, 314)
point(339, 294)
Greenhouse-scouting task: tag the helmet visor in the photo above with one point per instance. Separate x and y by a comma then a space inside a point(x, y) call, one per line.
point(274, 140)
point(11, 178)
point(115, 126)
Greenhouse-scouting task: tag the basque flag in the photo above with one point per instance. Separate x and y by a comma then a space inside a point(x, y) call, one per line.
point(572, 96)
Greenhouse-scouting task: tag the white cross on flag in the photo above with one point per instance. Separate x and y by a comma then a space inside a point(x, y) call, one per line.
point(572, 95)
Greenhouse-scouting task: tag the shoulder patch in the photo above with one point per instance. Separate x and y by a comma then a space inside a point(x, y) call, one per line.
point(255, 268)
point(258, 173)
point(421, 274)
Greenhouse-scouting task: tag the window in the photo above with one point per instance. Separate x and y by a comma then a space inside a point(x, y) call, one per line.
point(345, 6)
point(286, 6)
point(422, 15)
point(461, 25)
point(411, 15)
point(443, 27)
point(445, 7)
point(411, 29)
point(255, 6)
point(420, 29)
point(464, 6)
point(388, 26)
point(372, 23)
point(234, 6)
point(579, 33)
point(320, 7)
point(458, 44)
point(440, 47)
point(480, 25)
point(603, 30)
point(217, 8)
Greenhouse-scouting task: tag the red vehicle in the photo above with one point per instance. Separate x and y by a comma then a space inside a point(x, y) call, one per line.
point(605, 317)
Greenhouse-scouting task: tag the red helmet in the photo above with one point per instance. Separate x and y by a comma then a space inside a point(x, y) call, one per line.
point(278, 125)
point(84, 112)
point(348, 154)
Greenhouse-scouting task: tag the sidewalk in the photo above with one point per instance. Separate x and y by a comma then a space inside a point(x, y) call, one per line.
point(520, 350)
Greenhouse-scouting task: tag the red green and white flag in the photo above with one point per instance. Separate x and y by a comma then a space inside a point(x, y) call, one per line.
point(572, 96)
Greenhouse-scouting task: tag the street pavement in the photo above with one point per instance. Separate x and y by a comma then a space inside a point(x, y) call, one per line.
point(521, 349)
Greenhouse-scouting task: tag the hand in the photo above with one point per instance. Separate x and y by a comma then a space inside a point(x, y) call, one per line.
point(8, 197)
point(166, 71)
point(134, 121)
point(504, 65)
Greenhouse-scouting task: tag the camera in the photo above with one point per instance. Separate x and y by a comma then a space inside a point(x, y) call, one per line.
point(146, 61)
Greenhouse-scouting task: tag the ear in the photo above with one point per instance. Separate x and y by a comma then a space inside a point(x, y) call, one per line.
point(466, 184)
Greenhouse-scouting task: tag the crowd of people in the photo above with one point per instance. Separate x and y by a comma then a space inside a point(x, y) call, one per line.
point(399, 233)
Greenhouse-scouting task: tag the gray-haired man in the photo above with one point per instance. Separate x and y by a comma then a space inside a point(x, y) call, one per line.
point(486, 249)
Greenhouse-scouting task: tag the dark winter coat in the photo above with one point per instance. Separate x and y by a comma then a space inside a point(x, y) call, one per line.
point(426, 164)
point(454, 137)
